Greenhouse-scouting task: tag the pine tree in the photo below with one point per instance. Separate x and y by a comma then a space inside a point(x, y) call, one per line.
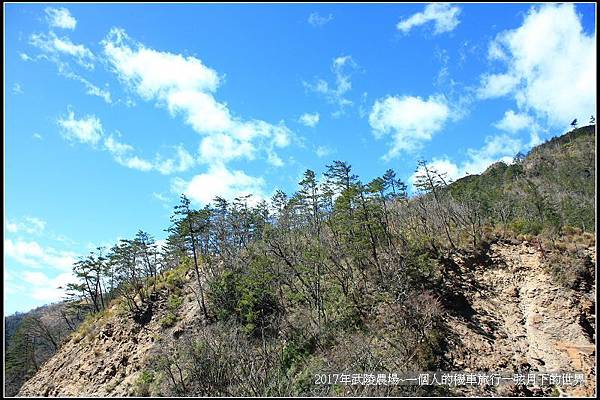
point(310, 199)
point(183, 224)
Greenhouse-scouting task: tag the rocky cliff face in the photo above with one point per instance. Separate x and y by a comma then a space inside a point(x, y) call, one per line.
point(505, 314)
point(514, 317)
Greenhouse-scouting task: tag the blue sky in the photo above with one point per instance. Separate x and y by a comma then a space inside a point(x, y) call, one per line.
point(113, 110)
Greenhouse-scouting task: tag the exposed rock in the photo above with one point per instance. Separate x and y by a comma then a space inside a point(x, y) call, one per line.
point(107, 364)
point(522, 320)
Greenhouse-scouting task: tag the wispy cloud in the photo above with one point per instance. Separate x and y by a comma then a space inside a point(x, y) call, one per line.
point(87, 129)
point(342, 68)
point(17, 89)
point(122, 154)
point(52, 44)
point(323, 151)
point(310, 120)
point(60, 18)
point(318, 20)
point(32, 254)
point(60, 51)
point(443, 16)
point(29, 225)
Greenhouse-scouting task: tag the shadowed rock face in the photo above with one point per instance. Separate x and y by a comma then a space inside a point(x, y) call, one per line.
point(521, 320)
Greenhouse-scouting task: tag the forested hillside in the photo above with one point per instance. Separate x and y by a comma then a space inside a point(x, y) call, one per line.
point(552, 188)
point(344, 275)
point(33, 337)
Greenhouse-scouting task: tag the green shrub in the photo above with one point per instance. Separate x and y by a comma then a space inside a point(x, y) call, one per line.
point(526, 227)
point(175, 278)
point(168, 320)
point(247, 297)
point(224, 294)
point(297, 349)
point(143, 382)
point(174, 302)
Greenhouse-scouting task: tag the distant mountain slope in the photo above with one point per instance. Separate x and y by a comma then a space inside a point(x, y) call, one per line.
point(552, 186)
point(11, 323)
point(35, 335)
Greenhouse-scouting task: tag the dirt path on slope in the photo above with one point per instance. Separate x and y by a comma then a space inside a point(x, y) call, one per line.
point(513, 317)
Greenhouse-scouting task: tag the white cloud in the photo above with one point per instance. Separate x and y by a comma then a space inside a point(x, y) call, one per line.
point(91, 89)
point(60, 18)
point(117, 148)
point(342, 67)
point(514, 122)
point(219, 181)
point(243, 141)
point(274, 159)
point(310, 120)
point(185, 86)
point(202, 112)
point(37, 136)
point(443, 15)
point(29, 225)
point(88, 129)
point(32, 254)
point(35, 277)
point(182, 162)
point(496, 148)
point(495, 85)
point(323, 151)
point(156, 74)
point(160, 197)
point(410, 120)
point(222, 147)
point(443, 166)
point(53, 50)
point(17, 89)
point(121, 153)
point(138, 163)
point(316, 19)
point(550, 65)
point(53, 45)
point(47, 289)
